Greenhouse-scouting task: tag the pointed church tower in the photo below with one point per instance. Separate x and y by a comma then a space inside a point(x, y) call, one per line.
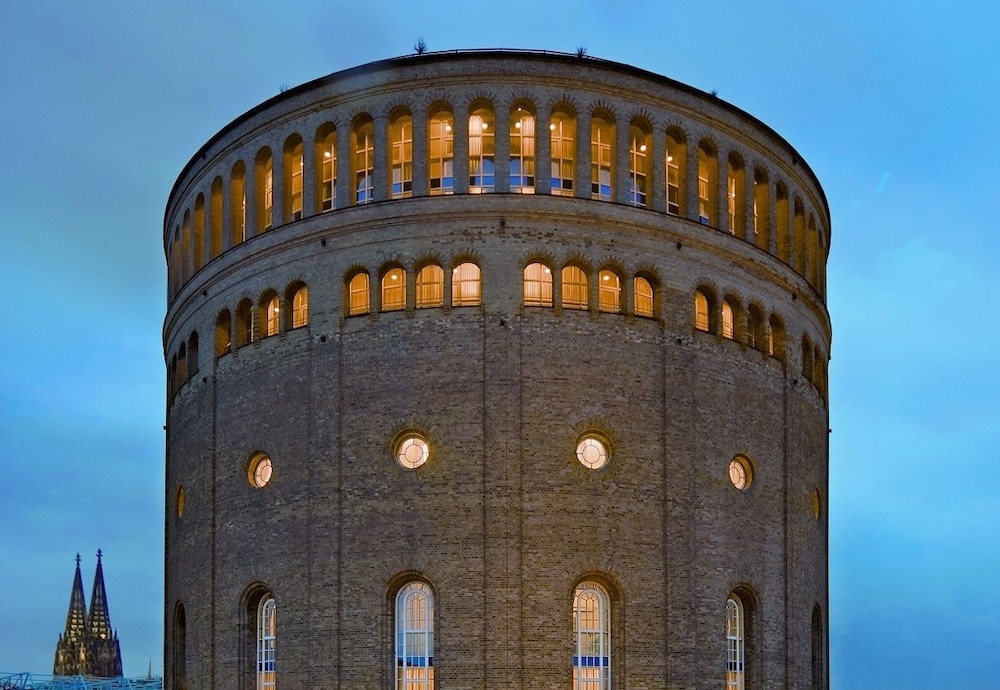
point(71, 650)
point(103, 650)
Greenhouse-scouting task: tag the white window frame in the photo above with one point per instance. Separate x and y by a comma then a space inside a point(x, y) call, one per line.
point(735, 644)
point(266, 643)
point(522, 151)
point(442, 154)
point(602, 135)
point(364, 164)
point(482, 151)
point(414, 643)
point(638, 161)
point(591, 637)
point(329, 173)
point(402, 157)
point(562, 136)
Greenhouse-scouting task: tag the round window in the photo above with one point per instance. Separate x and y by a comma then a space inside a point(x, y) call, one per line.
point(740, 472)
point(260, 470)
point(412, 451)
point(592, 452)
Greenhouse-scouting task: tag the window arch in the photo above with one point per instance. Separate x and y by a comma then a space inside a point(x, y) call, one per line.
point(393, 289)
point(244, 323)
point(818, 656)
point(676, 164)
point(522, 148)
point(401, 157)
point(735, 644)
point(466, 285)
point(562, 138)
point(223, 333)
point(292, 187)
point(267, 628)
point(182, 373)
point(756, 337)
point(807, 358)
point(704, 310)
point(298, 297)
point(179, 666)
point(186, 247)
point(776, 337)
point(430, 286)
point(735, 195)
point(215, 218)
point(263, 176)
point(642, 290)
point(575, 290)
point(192, 354)
point(591, 637)
point(270, 313)
point(442, 152)
point(326, 167)
point(537, 285)
point(781, 222)
point(761, 209)
point(707, 183)
point(359, 294)
point(799, 237)
point(731, 318)
point(482, 135)
point(237, 204)
point(363, 160)
point(199, 232)
point(639, 159)
point(414, 643)
point(609, 291)
point(602, 156)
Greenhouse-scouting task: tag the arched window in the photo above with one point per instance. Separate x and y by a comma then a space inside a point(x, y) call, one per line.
point(326, 168)
point(730, 318)
point(807, 358)
point(609, 292)
point(522, 150)
point(562, 131)
point(602, 156)
point(244, 323)
point(735, 195)
point(264, 188)
point(179, 667)
point(799, 236)
point(266, 639)
point(364, 162)
point(358, 294)
point(591, 638)
point(638, 166)
point(442, 153)
point(430, 287)
point(481, 151)
point(415, 637)
point(223, 333)
point(735, 644)
point(192, 354)
point(761, 209)
point(676, 156)
point(643, 291)
point(215, 218)
point(300, 307)
point(575, 291)
point(401, 141)
point(270, 313)
point(199, 232)
point(755, 327)
point(776, 337)
point(818, 657)
point(186, 247)
point(781, 222)
point(707, 183)
point(703, 304)
point(394, 290)
point(182, 374)
point(292, 201)
point(466, 285)
point(537, 285)
point(237, 204)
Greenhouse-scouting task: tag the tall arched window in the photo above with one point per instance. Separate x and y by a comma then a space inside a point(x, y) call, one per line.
point(401, 141)
point(482, 176)
point(638, 166)
point(643, 291)
point(609, 292)
point(761, 209)
point(244, 323)
point(676, 156)
point(292, 201)
point(192, 354)
point(575, 291)
point(602, 156)
point(562, 136)
point(735, 195)
point(179, 680)
point(537, 285)
point(394, 290)
point(270, 313)
point(707, 183)
point(730, 313)
point(522, 150)
point(442, 153)
point(215, 218)
point(199, 232)
point(266, 638)
point(591, 638)
point(415, 637)
point(776, 337)
point(735, 644)
point(430, 287)
point(359, 294)
point(326, 158)
point(300, 307)
point(223, 333)
point(818, 657)
point(755, 327)
point(264, 188)
point(702, 311)
point(237, 204)
point(466, 285)
point(364, 162)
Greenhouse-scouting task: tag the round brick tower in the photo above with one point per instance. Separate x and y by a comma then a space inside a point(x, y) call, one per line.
point(496, 369)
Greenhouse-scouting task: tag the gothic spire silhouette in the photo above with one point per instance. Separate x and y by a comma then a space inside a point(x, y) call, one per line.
point(88, 646)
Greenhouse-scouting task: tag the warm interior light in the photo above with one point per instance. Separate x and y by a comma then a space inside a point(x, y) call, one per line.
point(553, 126)
point(605, 277)
point(517, 125)
point(326, 154)
point(485, 125)
point(642, 148)
point(669, 158)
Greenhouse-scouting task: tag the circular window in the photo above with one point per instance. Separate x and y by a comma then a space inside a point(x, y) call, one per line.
point(259, 471)
point(180, 501)
point(592, 452)
point(740, 472)
point(412, 451)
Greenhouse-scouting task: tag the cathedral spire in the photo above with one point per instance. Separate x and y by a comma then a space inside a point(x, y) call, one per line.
point(99, 620)
point(71, 656)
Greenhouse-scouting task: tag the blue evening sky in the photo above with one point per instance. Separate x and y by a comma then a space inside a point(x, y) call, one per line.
point(895, 104)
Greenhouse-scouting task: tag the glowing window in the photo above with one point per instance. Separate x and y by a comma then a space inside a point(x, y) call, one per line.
point(817, 504)
point(266, 638)
point(575, 292)
point(522, 151)
point(259, 471)
point(466, 285)
point(271, 316)
point(401, 139)
point(295, 183)
point(591, 638)
point(609, 292)
point(592, 452)
point(537, 285)
point(638, 166)
point(267, 202)
point(562, 131)
point(673, 176)
point(181, 501)
point(430, 287)
point(706, 180)
point(728, 321)
point(359, 295)
point(482, 176)
point(602, 135)
point(364, 163)
point(328, 172)
point(412, 451)
point(415, 637)
point(643, 296)
point(300, 307)
point(701, 319)
point(442, 154)
point(394, 290)
point(735, 651)
point(740, 472)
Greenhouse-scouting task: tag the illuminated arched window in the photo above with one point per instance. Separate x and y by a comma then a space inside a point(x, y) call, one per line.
point(591, 638)
point(602, 138)
point(638, 166)
point(215, 219)
point(522, 150)
point(755, 327)
point(702, 311)
point(482, 176)
point(776, 337)
point(266, 638)
point(237, 204)
point(264, 188)
point(609, 292)
point(293, 178)
point(735, 195)
point(442, 153)
point(707, 184)
point(430, 287)
point(575, 291)
point(728, 319)
point(401, 141)
point(326, 168)
point(414, 642)
point(199, 232)
point(270, 314)
point(562, 136)
point(364, 162)
point(358, 295)
point(643, 290)
point(300, 307)
point(735, 644)
point(537, 285)
point(761, 209)
point(223, 333)
point(394, 290)
point(466, 285)
point(676, 161)
point(244, 323)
